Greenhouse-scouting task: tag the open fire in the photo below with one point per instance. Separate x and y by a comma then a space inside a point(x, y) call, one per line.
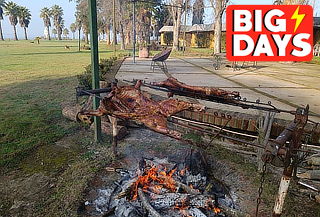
point(161, 188)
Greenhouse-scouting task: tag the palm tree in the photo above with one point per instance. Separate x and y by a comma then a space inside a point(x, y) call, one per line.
point(2, 5)
point(24, 19)
point(12, 10)
point(45, 14)
point(73, 29)
point(54, 32)
point(66, 33)
point(57, 14)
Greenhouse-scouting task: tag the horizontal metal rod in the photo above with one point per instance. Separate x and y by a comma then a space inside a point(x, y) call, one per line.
point(92, 92)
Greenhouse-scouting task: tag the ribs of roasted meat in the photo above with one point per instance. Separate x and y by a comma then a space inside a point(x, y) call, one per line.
point(173, 84)
point(129, 102)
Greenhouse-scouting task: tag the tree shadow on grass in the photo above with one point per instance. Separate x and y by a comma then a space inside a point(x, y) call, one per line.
point(31, 117)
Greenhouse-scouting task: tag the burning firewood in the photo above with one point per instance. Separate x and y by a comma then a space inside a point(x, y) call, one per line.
point(146, 204)
point(159, 188)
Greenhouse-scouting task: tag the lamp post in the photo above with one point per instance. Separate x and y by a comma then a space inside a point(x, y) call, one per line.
point(114, 26)
point(185, 26)
point(134, 29)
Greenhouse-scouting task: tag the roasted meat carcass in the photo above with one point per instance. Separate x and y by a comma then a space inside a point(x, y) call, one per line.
point(196, 91)
point(129, 102)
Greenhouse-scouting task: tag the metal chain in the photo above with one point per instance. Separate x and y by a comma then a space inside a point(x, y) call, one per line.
point(262, 179)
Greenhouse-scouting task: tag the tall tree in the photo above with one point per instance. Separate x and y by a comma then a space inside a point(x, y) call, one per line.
point(162, 17)
point(176, 11)
point(73, 29)
point(45, 14)
point(57, 13)
point(82, 18)
point(2, 5)
point(12, 10)
point(24, 19)
point(106, 12)
point(198, 12)
point(54, 32)
point(219, 7)
point(65, 33)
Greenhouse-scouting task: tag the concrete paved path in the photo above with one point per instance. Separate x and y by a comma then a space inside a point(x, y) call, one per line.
point(287, 86)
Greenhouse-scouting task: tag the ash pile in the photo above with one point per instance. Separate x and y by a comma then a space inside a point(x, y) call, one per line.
point(161, 188)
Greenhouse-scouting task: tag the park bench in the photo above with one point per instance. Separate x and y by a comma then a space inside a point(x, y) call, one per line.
point(159, 60)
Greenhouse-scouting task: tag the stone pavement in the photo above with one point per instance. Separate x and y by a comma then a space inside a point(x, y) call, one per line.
point(287, 86)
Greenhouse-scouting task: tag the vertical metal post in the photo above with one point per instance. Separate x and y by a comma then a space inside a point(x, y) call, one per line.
point(79, 42)
point(114, 26)
point(185, 26)
point(134, 31)
point(94, 64)
point(301, 119)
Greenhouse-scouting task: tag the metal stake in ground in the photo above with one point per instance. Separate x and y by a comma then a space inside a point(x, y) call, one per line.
point(295, 143)
point(95, 64)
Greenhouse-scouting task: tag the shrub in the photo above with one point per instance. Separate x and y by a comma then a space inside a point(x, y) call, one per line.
point(105, 66)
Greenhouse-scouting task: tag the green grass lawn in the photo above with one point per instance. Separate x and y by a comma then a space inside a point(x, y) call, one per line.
point(35, 79)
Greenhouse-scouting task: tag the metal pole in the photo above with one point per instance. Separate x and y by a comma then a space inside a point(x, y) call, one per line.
point(114, 26)
point(134, 31)
point(185, 26)
point(79, 37)
point(94, 64)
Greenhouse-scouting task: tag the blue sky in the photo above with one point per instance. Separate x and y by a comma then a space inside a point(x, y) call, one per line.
point(36, 26)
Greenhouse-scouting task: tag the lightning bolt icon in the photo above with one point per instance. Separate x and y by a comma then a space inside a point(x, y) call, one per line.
point(298, 17)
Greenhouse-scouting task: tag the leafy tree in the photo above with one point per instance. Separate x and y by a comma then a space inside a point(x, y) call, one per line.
point(2, 6)
point(57, 13)
point(73, 29)
point(24, 19)
point(219, 7)
point(65, 32)
point(176, 11)
point(82, 18)
point(45, 14)
point(198, 11)
point(161, 16)
point(54, 32)
point(12, 10)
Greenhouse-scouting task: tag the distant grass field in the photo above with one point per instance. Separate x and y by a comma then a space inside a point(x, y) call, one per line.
point(35, 79)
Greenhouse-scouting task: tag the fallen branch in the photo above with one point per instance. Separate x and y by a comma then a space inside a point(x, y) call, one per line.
point(147, 205)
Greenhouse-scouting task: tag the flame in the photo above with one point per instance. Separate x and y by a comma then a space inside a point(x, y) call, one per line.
point(216, 210)
point(182, 172)
point(154, 180)
point(298, 17)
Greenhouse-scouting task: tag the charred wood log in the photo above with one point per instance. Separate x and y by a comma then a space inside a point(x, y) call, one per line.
point(187, 189)
point(147, 205)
